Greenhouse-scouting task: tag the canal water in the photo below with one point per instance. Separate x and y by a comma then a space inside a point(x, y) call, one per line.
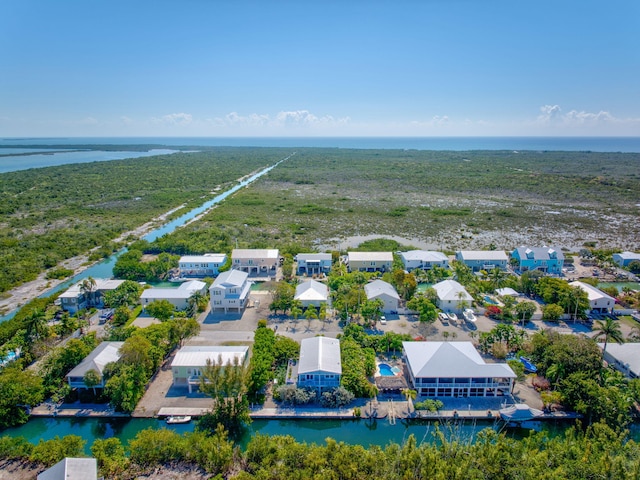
point(356, 432)
point(104, 269)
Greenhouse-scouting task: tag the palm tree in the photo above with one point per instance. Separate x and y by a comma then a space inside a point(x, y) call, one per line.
point(610, 330)
point(88, 288)
point(296, 309)
point(410, 395)
point(322, 314)
point(36, 325)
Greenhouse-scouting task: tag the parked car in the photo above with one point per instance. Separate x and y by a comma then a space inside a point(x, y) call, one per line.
point(383, 320)
point(443, 318)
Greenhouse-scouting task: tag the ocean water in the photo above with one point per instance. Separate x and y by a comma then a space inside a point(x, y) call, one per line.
point(594, 144)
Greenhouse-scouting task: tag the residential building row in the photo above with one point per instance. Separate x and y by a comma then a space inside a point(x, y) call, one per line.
point(433, 369)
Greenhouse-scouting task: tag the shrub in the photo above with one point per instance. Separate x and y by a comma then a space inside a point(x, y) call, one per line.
point(338, 397)
point(290, 394)
point(429, 404)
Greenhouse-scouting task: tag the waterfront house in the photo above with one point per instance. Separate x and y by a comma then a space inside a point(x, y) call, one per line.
point(178, 297)
point(486, 260)
point(452, 297)
point(625, 258)
point(207, 265)
point(599, 302)
point(454, 369)
point(624, 357)
point(381, 290)
point(369, 261)
point(97, 360)
point(312, 293)
point(313, 263)
point(77, 298)
point(230, 291)
point(261, 262)
point(320, 365)
point(423, 260)
point(546, 259)
point(189, 362)
point(72, 469)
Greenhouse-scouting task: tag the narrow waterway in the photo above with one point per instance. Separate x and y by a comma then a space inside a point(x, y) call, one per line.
point(104, 269)
point(356, 432)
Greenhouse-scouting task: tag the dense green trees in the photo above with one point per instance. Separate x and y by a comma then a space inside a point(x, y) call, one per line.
point(19, 391)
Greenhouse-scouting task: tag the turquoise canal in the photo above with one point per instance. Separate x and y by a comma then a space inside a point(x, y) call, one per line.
point(104, 269)
point(356, 432)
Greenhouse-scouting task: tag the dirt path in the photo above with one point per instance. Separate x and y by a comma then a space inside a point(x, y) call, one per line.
point(26, 292)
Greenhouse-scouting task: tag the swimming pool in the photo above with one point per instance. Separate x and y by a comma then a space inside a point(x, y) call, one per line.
point(387, 370)
point(488, 299)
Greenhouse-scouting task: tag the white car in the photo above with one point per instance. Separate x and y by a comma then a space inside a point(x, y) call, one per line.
point(443, 318)
point(383, 320)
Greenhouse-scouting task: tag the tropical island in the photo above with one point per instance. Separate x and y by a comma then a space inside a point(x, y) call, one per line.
point(420, 249)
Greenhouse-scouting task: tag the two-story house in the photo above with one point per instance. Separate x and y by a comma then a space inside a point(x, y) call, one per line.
point(87, 293)
point(599, 301)
point(423, 260)
point(381, 290)
point(189, 362)
point(230, 291)
point(452, 296)
point(370, 261)
point(207, 265)
point(178, 297)
point(313, 263)
point(545, 259)
point(486, 260)
point(320, 365)
point(454, 369)
point(97, 360)
point(261, 261)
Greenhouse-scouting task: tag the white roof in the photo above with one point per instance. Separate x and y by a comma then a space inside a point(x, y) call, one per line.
point(320, 354)
point(592, 292)
point(424, 256)
point(185, 290)
point(230, 279)
point(629, 255)
point(206, 258)
point(102, 284)
point(483, 255)
point(197, 356)
point(313, 256)
point(312, 290)
point(449, 290)
point(628, 354)
point(72, 469)
point(451, 360)
point(370, 256)
point(507, 291)
point(380, 287)
point(103, 354)
point(254, 253)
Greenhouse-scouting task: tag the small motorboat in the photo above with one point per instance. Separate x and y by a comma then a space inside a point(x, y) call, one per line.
point(528, 365)
point(469, 316)
point(178, 419)
point(453, 317)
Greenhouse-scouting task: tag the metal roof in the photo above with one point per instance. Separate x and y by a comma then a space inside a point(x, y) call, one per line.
point(197, 356)
point(185, 290)
point(206, 258)
point(312, 290)
point(451, 360)
point(320, 354)
point(483, 255)
point(593, 293)
point(72, 469)
point(370, 256)
point(450, 289)
point(103, 354)
point(424, 256)
point(230, 279)
point(380, 287)
point(254, 253)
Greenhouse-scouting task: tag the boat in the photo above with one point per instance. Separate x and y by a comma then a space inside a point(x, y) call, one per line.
point(469, 316)
point(453, 317)
point(443, 318)
point(528, 365)
point(521, 412)
point(178, 419)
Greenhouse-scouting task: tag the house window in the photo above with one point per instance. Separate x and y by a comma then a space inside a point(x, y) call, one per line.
point(329, 376)
point(309, 377)
point(217, 292)
point(217, 302)
point(233, 290)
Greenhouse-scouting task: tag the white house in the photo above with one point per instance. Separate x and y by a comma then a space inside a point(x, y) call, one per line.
point(178, 297)
point(624, 357)
point(230, 291)
point(381, 290)
point(189, 362)
point(370, 261)
point(598, 300)
point(320, 365)
point(625, 258)
point(97, 360)
point(76, 298)
point(255, 261)
point(452, 297)
point(454, 369)
point(207, 265)
point(313, 263)
point(72, 469)
point(423, 260)
point(487, 260)
point(312, 293)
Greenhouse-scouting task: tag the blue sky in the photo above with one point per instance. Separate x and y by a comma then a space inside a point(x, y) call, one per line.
point(319, 68)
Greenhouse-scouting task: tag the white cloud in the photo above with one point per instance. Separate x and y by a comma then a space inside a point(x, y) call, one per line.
point(174, 119)
point(553, 115)
point(283, 120)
